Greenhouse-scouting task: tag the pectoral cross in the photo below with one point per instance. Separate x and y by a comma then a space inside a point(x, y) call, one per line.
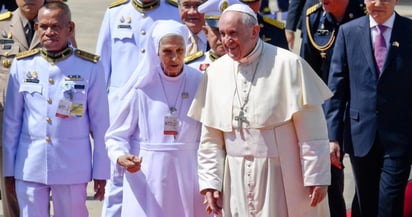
point(241, 118)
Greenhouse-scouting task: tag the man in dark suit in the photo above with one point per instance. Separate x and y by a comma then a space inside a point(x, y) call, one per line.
point(319, 31)
point(375, 94)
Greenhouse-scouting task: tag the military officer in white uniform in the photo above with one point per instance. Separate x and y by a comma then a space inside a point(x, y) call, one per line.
point(121, 45)
point(55, 98)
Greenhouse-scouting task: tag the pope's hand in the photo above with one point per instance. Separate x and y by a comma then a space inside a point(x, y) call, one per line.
point(317, 194)
point(131, 163)
point(213, 201)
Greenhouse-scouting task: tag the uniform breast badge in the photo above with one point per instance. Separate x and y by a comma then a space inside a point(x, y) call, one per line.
point(32, 77)
point(68, 106)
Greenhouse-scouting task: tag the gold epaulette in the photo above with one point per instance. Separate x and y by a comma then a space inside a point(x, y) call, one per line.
point(173, 2)
point(313, 8)
point(27, 53)
point(5, 15)
point(117, 3)
point(87, 56)
point(194, 57)
point(273, 22)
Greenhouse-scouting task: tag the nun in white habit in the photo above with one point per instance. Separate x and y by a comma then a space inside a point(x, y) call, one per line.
point(152, 137)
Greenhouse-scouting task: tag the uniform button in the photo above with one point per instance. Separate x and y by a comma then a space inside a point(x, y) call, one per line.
point(143, 14)
point(142, 50)
point(6, 53)
point(48, 119)
point(48, 139)
point(143, 32)
point(49, 100)
point(51, 81)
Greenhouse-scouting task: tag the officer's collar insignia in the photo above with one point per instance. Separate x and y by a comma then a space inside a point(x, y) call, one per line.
point(54, 57)
point(32, 77)
point(213, 56)
point(143, 7)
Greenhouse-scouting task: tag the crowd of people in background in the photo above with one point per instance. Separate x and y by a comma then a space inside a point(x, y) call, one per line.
point(199, 108)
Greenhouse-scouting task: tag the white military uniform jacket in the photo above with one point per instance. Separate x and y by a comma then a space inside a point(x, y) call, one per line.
point(44, 143)
point(122, 38)
point(284, 142)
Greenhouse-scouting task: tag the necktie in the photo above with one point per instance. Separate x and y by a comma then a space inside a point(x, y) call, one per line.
point(380, 47)
point(192, 48)
point(29, 31)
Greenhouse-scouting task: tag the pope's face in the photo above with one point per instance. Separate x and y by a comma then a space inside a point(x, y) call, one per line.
point(238, 38)
point(381, 10)
point(172, 53)
point(190, 16)
point(54, 29)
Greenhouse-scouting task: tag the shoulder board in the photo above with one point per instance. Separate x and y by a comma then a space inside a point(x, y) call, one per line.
point(87, 56)
point(273, 22)
point(313, 8)
point(194, 57)
point(5, 15)
point(173, 2)
point(117, 3)
point(27, 53)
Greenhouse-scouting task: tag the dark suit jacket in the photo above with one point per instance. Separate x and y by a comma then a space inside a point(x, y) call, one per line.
point(296, 13)
point(376, 107)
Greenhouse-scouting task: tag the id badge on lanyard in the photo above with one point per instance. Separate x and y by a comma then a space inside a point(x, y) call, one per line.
point(171, 125)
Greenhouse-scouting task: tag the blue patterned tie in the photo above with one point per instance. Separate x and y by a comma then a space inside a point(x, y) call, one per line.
point(380, 47)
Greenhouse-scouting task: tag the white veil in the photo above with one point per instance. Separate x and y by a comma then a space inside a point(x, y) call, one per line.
point(144, 71)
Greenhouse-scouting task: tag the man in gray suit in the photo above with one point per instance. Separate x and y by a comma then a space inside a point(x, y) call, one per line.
point(16, 35)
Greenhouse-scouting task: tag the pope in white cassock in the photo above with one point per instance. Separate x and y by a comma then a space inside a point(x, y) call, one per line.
point(264, 147)
point(153, 125)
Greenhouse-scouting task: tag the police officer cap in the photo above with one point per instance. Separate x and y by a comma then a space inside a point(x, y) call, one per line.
point(241, 8)
point(213, 9)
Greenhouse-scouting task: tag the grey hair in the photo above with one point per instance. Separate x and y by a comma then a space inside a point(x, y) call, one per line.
point(248, 20)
